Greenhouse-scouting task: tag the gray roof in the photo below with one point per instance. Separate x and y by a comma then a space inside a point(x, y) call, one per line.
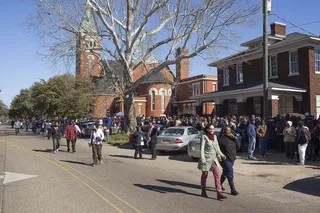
point(105, 84)
point(289, 39)
point(88, 24)
point(157, 78)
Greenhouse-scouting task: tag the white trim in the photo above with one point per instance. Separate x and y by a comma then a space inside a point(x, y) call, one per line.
point(290, 63)
point(273, 77)
point(289, 90)
point(139, 104)
point(143, 101)
point(195, 80)
point(153, 89)
point(275, 97)
point(317, 73)
point(270, 65)
point(187, 101)
point(278, 23)
point(162, 89)
point(300, 43)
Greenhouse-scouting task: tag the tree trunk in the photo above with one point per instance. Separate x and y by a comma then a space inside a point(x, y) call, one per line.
point(129, 113)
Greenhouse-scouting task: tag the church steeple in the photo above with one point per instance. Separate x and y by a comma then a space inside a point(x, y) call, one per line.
point(88, 45)
point(88, 24)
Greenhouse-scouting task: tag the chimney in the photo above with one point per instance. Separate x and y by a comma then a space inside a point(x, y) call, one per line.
point(182, 67)
point(278, 29)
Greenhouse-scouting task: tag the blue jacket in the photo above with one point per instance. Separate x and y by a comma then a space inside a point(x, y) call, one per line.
point(252, 130)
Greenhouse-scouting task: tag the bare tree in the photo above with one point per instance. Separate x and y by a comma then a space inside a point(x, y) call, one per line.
point(132, 29)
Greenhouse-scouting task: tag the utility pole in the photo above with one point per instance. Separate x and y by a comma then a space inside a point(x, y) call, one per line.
point(266, 9)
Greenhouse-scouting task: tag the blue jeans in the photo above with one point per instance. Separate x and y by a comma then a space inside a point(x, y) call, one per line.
point(251, 146)
point(38, 130)
point(262, 146)
point(227, 171)
point(107, 137)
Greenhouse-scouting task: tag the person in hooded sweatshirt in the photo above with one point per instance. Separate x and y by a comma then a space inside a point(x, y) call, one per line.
point(302, 142)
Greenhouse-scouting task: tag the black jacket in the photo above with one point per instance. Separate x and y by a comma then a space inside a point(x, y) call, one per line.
point(57, 132)
point(137, 135)
point(229, 147)
point(153, 134)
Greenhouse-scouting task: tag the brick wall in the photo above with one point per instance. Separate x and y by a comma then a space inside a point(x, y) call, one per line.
point(101, 104)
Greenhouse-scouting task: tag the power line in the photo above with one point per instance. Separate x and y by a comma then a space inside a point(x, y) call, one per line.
point(294, 25)
point(313, 22)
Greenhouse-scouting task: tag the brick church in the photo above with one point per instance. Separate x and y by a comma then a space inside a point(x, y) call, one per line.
point(153, 97)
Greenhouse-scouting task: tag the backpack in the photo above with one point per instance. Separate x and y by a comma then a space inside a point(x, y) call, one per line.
point(305, 136)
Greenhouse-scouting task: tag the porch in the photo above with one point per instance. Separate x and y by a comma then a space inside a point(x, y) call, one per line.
point(248, 100)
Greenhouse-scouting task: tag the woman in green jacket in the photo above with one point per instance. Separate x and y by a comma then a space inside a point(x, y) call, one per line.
point(209, 160)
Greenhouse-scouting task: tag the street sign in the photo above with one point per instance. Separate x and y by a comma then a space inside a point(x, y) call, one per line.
point(269, 6)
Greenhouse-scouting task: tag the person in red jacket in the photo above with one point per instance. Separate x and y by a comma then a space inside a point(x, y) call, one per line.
point(71, 135)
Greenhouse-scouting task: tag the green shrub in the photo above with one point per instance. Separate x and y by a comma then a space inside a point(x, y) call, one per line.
point(119, 139)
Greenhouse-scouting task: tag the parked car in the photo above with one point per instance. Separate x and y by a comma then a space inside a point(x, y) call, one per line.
point(145, 129)
point(86, 128)
point(175, 138)
point(193, 149)
point(115, 130)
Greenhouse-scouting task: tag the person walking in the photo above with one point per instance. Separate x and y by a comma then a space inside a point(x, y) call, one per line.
point(49, 129)
point(57, 131)
point(152, 140)
point(303, 138)
point(262, 132)
point(229, 145)
point(139, 136)
point(210, 156)
point(252, 139)
point(107, 133)
point(96, 144)
point(71, 136)
point(17, 126)
point(289, 133)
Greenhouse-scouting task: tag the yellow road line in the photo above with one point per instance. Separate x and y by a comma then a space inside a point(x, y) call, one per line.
point(73, 175)
point(96, 183)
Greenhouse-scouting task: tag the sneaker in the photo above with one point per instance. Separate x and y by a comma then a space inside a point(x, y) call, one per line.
point(100, 162)
point(55, 152)
point(93, 165)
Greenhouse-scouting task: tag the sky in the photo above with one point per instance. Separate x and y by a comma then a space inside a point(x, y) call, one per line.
point(21, 64)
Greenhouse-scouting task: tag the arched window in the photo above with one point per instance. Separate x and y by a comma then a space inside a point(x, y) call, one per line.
point(163, 93)
point(153, 100)
point(90, 63)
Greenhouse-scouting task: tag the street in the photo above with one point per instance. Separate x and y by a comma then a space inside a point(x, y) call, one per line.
point(33, 179)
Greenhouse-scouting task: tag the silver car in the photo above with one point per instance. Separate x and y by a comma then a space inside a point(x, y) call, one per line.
point(193, 149)
point(175, 138)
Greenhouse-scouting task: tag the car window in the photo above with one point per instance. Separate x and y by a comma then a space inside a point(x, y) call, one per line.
point(84, 126)
point(173, 131)
point(192, 131)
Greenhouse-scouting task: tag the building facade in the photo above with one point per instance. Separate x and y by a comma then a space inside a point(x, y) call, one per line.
point(160, 94)
point(294, 76)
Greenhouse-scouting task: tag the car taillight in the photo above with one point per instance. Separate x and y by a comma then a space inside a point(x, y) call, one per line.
point(178, 141)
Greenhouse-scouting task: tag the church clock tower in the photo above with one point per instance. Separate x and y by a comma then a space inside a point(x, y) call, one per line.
point(88, 46)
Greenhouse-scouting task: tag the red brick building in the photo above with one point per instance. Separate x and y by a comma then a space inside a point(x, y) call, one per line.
point(294, 76)
point(161, 94)
point(152, 96)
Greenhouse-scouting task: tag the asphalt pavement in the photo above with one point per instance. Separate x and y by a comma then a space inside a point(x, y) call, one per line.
point(33, 179)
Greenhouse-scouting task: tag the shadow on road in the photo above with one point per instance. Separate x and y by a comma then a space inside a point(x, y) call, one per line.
point(121, 156)
point(165, 190)
point(187, 185)
point(310, 186)
point(41, 150)
point(76, 162)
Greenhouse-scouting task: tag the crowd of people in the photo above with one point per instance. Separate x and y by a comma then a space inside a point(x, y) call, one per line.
point(297, 137)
